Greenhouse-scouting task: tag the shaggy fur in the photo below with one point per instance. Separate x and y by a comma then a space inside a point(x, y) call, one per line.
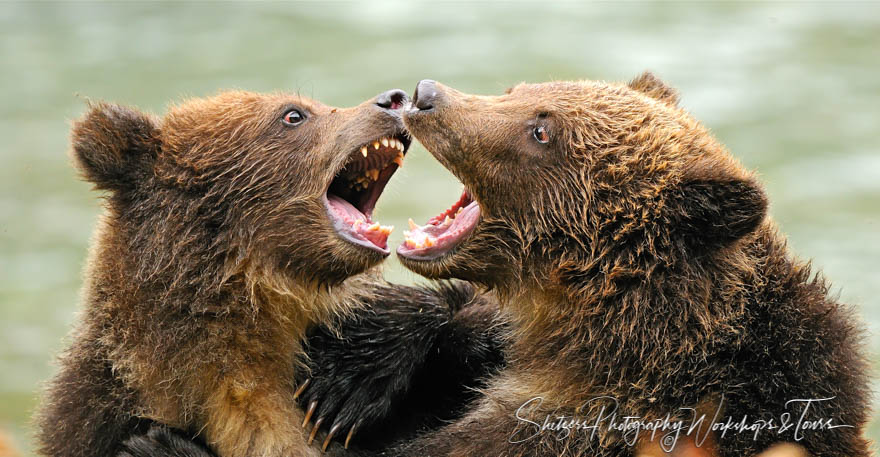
point(213, 257)
point(637, 262)
point(412, 360)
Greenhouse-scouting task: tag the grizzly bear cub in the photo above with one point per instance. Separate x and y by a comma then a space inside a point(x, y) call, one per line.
point(230, 227)
point(652, 299)
point(642, 275)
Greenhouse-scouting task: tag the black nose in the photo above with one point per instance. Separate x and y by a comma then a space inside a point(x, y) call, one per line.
point(426, 94)
point(393, 99)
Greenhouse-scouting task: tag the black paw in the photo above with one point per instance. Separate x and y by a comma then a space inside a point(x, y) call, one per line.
point(408, 362)
point(355, 381)
point(160, 441)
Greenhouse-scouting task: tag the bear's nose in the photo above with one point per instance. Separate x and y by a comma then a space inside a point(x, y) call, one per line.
point(393, 99)
point(426, 94)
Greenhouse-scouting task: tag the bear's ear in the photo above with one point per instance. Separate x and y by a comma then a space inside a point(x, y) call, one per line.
point(114, 145)
point(718, 203)
point(651, 86)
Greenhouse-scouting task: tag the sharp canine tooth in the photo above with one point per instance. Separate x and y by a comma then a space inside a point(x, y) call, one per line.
point(375, 145)
point(399, 145)
point(385, 142)
point(447, 220)
point(412, 224)
point(364, 151)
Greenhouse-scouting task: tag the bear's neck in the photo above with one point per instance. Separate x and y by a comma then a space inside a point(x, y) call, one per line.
point(191, 289)
point(299, 304)
point(603, 335)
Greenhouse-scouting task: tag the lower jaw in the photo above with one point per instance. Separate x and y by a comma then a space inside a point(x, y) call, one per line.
point(374, 240)
point(442, 234)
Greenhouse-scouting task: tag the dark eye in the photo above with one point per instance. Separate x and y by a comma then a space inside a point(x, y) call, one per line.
point(293, 117)
point(541, 135)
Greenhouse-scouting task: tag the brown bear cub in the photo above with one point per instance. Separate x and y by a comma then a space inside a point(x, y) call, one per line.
point(230, 227)
point(652, 300)
point(641, 273)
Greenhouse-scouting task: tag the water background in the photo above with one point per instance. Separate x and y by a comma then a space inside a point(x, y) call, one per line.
point(792, 88)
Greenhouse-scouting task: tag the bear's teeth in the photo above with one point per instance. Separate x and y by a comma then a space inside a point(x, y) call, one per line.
point(385, 142)
point(398, 160)
point(375, 145)
point(425, 241)
point(364, 151)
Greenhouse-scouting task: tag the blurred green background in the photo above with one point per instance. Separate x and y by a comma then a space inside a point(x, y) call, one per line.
point(793, 90)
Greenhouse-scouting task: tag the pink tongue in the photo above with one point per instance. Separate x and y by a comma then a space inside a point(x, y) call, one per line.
point(345, 209)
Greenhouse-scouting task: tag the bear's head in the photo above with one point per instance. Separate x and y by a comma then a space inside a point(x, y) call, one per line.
point(243, 183)
point(578, 179)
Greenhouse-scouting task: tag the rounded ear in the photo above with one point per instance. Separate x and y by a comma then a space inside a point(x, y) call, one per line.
point(719, 204)
point(650, 85)
point(112, 145)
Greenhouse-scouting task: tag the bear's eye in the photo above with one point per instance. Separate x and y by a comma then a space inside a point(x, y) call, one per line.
point(541, 135)
point(293, 117)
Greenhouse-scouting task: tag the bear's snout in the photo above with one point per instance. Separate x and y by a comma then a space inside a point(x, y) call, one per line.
point(393, 99)
point(426, 95)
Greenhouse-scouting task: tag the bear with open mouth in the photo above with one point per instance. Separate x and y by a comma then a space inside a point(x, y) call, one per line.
point(635, 260)
point(232, 226)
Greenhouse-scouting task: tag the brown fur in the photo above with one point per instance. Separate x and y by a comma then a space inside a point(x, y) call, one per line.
point(212, 258)
point(636, 260)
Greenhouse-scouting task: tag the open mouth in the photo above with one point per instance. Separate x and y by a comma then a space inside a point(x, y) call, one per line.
point(443, 232)
point(353, 193)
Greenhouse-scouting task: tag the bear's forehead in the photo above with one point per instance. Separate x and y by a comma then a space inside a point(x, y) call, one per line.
point(551, 88)
point(244, 104)
point(570, 96)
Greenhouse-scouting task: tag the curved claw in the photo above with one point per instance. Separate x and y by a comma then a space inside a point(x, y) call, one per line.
point(351, 432)
point(301, 389)
point(312, 406)
point(335, 428)
point(315, 430)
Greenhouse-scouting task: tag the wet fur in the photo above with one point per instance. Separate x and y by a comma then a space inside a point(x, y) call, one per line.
point(411, 360)
point(637, 261)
